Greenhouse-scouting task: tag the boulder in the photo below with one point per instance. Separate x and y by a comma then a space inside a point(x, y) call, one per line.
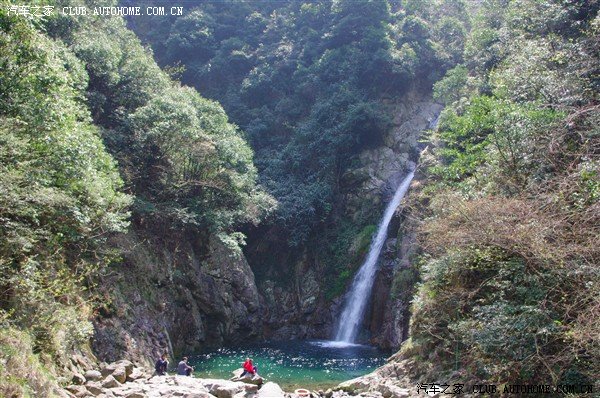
point(120, 374)
point(136, 374)
point(92, 375)
point(390, 391)
point(94, 387)
point(251, 388)
point(354, 386)
point(128, 365)
point(122, 391)
point(225, 391)
point(119, 370)
point(82, 362)
point(78, 379)
point(136, 395)
point(236, 374)
point(270, 390)
point(60, 393)
point(374, 385)
point(225, 388)
point(110, 382)
point(78, 391)
point(248, 379)
point(107, 369)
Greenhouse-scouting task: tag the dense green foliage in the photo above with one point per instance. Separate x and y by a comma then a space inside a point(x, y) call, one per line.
point(306, 81)
point(76, 94)
point(185, 163)
point(510, 270)
point(59, 191)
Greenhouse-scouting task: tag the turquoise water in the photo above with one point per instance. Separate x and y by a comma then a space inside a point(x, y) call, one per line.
point(293, 364)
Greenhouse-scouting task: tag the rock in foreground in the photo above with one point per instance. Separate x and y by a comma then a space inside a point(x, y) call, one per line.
point(248, 379)
point(124, 380)
point(388, 382)
point(270, 390)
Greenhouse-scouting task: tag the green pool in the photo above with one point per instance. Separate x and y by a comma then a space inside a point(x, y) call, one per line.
point(293, 364)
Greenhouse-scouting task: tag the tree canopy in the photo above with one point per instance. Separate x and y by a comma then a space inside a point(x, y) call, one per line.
point(306, 81)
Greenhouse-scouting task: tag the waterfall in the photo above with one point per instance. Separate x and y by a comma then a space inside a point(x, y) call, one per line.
point(360, 291)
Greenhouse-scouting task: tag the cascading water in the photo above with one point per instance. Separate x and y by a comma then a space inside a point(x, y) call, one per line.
point(358, 296)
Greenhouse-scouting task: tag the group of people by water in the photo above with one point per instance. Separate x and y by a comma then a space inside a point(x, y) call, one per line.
point(184, 369)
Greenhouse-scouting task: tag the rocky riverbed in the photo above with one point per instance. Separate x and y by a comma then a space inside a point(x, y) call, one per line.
point(123, 379)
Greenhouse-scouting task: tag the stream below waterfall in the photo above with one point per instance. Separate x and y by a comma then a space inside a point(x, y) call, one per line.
point(293, 364)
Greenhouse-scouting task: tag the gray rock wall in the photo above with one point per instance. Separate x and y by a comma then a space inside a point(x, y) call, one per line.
point(301, 310)
point(382, 171)
point(175, 293)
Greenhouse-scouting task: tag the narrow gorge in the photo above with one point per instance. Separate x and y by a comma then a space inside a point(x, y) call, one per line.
point(373, 198)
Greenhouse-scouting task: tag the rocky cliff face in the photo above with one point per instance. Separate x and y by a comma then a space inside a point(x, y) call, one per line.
point(176, 292)
point(299, 313)
point(291, 288)
point(388, 316)
point(384, 167)
point(301, 308)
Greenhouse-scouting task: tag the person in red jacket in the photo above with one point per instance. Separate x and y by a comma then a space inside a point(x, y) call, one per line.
point(249, 368)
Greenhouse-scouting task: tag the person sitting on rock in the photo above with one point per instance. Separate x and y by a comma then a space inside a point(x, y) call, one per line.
point(161, 365)
point(183, 369)
point(249, 368)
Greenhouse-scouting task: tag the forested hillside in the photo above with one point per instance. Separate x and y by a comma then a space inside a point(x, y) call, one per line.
point(313, 85)
point(80, 96)
point(60, 196)
point(304, 80)
point(511, 222)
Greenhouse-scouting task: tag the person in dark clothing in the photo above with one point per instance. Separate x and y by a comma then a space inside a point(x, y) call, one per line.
point(183, 369)
point(249, 368)
point(161, 365)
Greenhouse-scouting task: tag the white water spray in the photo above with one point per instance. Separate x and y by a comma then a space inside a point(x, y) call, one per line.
point(360, 291)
